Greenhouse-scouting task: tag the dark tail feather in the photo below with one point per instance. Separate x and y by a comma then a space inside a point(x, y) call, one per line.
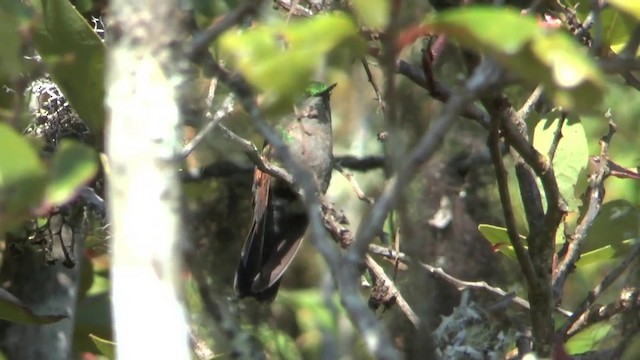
point(270, 247)
point(243, 286)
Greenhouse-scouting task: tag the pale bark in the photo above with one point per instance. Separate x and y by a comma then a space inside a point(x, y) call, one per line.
point(144, 189)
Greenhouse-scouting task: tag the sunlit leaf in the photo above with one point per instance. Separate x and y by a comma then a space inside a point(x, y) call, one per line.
point(75, 55)
point(484, 27)
point(605, 253)
point(630, 7)
point(616, 222)
point(587, 339)
point(499, 239)
point(279, 59)
point(373, 13)
point(571, 155)
point(537, 54)
point(14, 310)
point(73, 165)
point(106, 347)
point(616, 28)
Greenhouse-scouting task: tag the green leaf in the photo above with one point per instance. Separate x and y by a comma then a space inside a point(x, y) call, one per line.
point(76, 57)
point(616, 222)
point(22, 174)
point(106, 347)
point(537, 54)
point(499, 239)
point(605, 253)
point(373, 13)
point(12, 309)
point(483, 28)
point(74, 164)
point(616, 25)
point(571, 155)
point(616, 28)
point(587, 339)
point(283, 71)
point(630, 7)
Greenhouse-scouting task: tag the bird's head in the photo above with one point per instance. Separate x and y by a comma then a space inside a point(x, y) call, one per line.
point(319, 89)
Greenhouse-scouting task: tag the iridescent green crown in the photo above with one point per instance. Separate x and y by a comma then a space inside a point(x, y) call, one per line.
point(317, 88)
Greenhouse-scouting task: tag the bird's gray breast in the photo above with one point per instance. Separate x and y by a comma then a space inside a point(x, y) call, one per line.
point(313, 147)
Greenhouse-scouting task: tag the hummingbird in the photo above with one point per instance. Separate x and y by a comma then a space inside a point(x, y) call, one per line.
point(279, 216)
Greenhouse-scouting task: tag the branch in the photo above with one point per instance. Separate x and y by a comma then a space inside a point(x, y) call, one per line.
point(591, 297)
point(526, 265)
point(354, 185)
point(457, 283)
point(441, 93)
point(390, 288)
point(344, 238)
point(255, 156)
point(531, 102)
point(367, 70)
point(627, 300)
point(595, 195)
point(214, 120)
point(360, 164)
point(541, 238)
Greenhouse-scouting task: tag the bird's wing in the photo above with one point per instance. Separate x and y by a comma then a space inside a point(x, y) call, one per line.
point(261, 183)
point(253, 248)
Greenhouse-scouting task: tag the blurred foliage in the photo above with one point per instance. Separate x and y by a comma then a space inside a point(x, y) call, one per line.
point(537, 54)
point(258, 53)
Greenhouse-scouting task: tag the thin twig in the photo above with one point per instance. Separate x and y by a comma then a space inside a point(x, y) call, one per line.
point(354, 185)
point(224, 111)
point(505, 199)
point(344, 238)
point(459, 284)
point(596, 197)
point(441, 93)
point(591, 297)
point(367, 70)
point(294, 8)
point(360, 163)
point(529, 105)
point(627, 301)
point(557, 136)
point(378, 272)
point(255, 156)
